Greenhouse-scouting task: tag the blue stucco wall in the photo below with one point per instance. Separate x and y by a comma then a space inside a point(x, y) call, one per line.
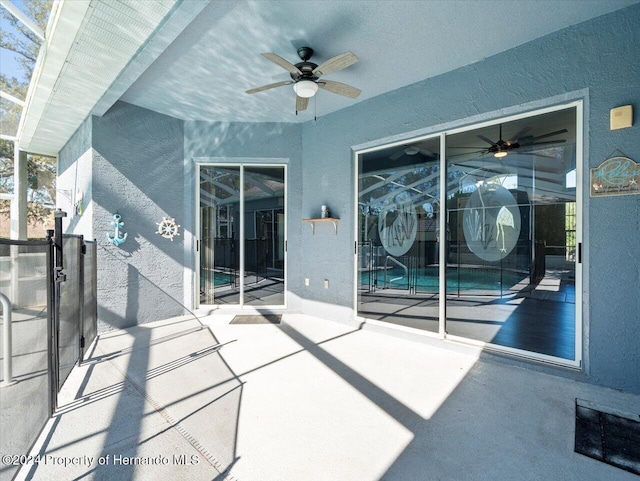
point(75, 175)
point(143, 167)
point(137, 171)
point(596, 61)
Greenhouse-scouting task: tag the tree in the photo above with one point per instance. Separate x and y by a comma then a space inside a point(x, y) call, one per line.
point(20, 39)
point(41, 170)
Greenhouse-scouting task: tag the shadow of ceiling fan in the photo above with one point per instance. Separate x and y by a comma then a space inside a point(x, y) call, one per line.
point(501, 147)
point(307, 76)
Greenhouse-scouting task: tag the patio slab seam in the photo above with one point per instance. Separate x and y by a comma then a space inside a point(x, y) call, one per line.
point(173, 423)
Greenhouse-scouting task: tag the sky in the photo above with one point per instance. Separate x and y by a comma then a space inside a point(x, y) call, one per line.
point(9, 66)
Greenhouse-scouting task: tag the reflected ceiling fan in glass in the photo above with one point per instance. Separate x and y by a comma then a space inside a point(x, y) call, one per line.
point(501, 148)
point(412, 150)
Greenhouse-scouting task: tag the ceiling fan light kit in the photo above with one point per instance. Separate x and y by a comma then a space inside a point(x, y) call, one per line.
point(305, 88)
point(500, 153)
point(305, 76)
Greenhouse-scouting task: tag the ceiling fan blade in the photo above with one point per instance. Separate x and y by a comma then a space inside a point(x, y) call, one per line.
point(301, 103)
point(550, 134)
point(426, 152)
point(288, 66)
point(549, 142)
point(520, 133)
point(270, 86)
point(483, 151)
point(465, 147)
point(397, 155)
point(535, 154)
point(339, 88)
point(336, 63)
point(488, 141)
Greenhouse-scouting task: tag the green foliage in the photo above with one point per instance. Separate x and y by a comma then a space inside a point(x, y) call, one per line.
point(9, 111)
point(19, 39)
point(41, 171)
point(41, 175)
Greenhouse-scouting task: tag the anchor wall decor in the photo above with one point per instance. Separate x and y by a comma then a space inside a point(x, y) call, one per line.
point(117, 238)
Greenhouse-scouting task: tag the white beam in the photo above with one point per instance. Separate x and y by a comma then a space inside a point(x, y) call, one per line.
point(19, 203)
point(24, 19)
point(11, 98)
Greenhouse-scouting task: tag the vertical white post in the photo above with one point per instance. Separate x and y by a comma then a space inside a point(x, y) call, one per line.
point(18, 215)
point(19, 203)
point(7, 351)
point(444, 248)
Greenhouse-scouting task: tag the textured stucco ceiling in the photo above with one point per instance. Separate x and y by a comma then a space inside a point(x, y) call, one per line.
point(204, 73)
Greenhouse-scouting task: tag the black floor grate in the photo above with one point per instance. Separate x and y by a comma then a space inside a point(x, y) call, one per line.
point(611, 438)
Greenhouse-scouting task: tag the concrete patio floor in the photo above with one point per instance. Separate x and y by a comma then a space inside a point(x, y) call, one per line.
point(310, 400)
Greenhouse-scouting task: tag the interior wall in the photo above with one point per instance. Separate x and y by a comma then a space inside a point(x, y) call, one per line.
point(137, 163)
point(596, 61)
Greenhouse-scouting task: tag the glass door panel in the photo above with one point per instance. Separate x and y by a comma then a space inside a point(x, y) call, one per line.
point(398, 236)
point(511, 211)
point(219, 234)
point(264, 218)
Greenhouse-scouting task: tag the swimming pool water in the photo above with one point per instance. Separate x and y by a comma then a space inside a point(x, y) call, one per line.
point(427, 280)
point(220, 278)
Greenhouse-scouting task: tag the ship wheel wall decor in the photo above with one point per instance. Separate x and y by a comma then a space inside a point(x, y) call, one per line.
point(168, 228)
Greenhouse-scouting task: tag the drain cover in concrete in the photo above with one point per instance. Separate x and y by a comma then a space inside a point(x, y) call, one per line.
point(610, 437)
point(257, 319)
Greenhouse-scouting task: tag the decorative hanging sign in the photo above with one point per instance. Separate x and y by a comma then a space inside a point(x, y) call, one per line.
point(168, 228)
point(615, 176)
point(117, 238)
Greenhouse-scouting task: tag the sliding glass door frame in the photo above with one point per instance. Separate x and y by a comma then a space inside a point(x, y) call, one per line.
point(575, 363)
point(197, 251)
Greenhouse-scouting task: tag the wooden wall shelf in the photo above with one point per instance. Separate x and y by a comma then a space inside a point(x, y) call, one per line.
point(313, 223)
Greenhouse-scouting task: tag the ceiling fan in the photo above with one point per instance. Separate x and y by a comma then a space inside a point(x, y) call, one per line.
point(501, 148)
point(411, 150)
point(306, 76)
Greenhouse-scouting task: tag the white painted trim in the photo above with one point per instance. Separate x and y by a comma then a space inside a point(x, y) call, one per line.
point(563, 102)
point(442, 251)
point(241, 238)
point(241, 307)
point(534, 356)
point(198, 250)
point(235, 161)
point(356, 224)
point(580, 164)
point(8, 137)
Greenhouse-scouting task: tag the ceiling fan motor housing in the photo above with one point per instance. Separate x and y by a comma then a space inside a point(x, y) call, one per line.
point(305, 66)
point(307, 72)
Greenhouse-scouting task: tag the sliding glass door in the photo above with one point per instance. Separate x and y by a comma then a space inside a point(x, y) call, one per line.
point(512, 217)
point(398, 235)
point(508, 253)
point(242, 235)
